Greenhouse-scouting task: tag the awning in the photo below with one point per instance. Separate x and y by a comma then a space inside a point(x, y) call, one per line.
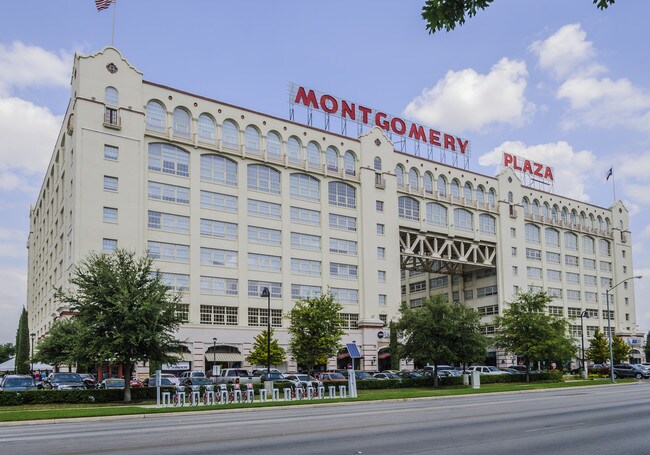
point(342, 355)
point(224, 357)
point(187, 356)
point(383, 355)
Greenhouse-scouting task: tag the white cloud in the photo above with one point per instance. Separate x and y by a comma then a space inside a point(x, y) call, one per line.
point(642, 288)
point(24, 65)
point(12, 299)
point(466, 100)
point(571, 169)
point(631, 177)
point(564, 51)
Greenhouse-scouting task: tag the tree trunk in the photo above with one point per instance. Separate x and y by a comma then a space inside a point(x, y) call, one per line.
point(126, 368)
point(435, 375)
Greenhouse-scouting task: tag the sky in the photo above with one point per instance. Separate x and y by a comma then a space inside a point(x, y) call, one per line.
point(560, 82)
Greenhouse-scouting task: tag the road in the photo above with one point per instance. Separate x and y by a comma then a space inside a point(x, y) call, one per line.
point(598, 420)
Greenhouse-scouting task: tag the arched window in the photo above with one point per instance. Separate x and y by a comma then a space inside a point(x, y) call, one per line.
point(467, 192)
point(492, 197)
point(510, 197)
point(554, 213)
point(487, 224)
point(605, 249)
point(570, 241)
point(581, 219)
point(607, 225)
point(181, 122)
point(252, 137)
point(169, 159)
point(552, 237)
point(455, 189)
point(599, 223)
point(588, 245)
point(377, 163)
point(408, 208)
point(414, 179)
point(525, 205)
point(463, 219)
point(217, 169)
point(294, 150)
point(273, 145)
point(156, 116)
point(399, 173)
point(532, 233)
point(436, 214)
point(263, 178)
point(573, 217)
point(230, 134)
point(535, 208)
point(591, 221)
point(565, 214)
point(342, 195)
point(350, 163)
point(313, 155)
point(206, 128)
point(428, 183)
point(332, 158)
point(545, 211)
point(111, 96)
point(305, 187)
point(480, 195)
point(442, 186)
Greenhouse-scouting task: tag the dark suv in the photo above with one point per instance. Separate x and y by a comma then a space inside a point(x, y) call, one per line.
point(64, 381)
point(625, 370)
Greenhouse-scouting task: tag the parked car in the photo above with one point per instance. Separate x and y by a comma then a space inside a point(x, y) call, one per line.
point(89, 379)
point(151, 382)
point(17, 382)
point(510, 371)
point(64, 381)
point(360, 375)
point(171, 378)
point(384, 376)
point(191, 374)
point(409, 375)
point(261, 371)
point(331, 377)
point(134, 382)
point(522, 369)
point(189, 381)
point(626, 370)
point(486, 369)
point(111, 383)
point(298, 378)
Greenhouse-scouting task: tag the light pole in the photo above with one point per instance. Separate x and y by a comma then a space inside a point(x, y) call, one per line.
point(33, 335)
point(584, 314)
point(609, 325)
point(266, 293)
point(214, 355)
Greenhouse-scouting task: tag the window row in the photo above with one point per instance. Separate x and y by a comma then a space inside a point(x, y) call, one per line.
point(409, 209)
point(533, 234)
point(547, 212)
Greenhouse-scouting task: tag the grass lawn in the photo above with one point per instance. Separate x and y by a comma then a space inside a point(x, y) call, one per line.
point(63, 411)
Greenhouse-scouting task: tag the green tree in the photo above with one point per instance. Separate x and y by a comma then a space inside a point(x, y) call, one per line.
point(258, 355)
point(525, 329)
point(446, 14)
point(61, 345)
point(440, 332)
point(621, 351)
point(316, 328)
point(598, 350)
point(23, 345)
point(126, 312)
point(393, 346)
point(647, 347)
point(7, 351)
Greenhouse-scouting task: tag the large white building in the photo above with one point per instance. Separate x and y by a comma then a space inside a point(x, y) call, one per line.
point(228, 201)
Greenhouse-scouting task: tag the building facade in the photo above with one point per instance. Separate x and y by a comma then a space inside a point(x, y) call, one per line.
point(229, 201)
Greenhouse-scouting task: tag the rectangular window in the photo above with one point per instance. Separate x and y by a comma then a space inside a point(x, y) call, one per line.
point(214, 256)
point(303, 291)
point(380, 229)
point(381, 276)
point(532, 233)
point(484, 273)
point(589, 280)
point(111, 152)
point(573, 278)
point(487, 329)
point(534, 273)
point(418, 286)
point(486, 291)
point(416, 303)
point(255, 288)
point(572, 294)
point(604, 247)
point(264, 209)
point(379, 206)
point(439, 282)
point(591, 297)
point(264, 236)
point(176, 281)
point(305, 241)
point(589, 264)
point(218, 201)
point(350, 321)
point(381, 252)
point(573, 312)
point(218, 229)
point(553, 275)
point(110, 215)
point(611, 314)
point(305, 267)
point(110, 183)
point(183, 312)
point(381, 300)
point(218, 315)
point(515, 270)
point(345, 296)
point(605, 282)
point(555, 292)
point(571, 260)
point(533, 254)
point(259, 317)
point(513, 250)
point(342, 246)
point(469, 294)
point(553, 258)
point(305, 216)
point(169, 193)
point(605, 266)
point(344, 271)
point(109, 245)
point(555, 310)
point(513, 233)
point(345, 223)
point(264, 262)
point(169, 159)
point(488, 310)
point(168, 251)
point(219, 286)
point(168, 222)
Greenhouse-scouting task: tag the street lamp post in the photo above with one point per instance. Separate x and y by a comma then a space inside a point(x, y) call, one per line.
point(214, 355)
point(33, 335)
point(584, 314)
point(609, 325)
point(267, 293)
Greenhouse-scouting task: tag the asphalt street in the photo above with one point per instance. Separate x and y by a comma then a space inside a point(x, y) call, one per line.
point(595, 420)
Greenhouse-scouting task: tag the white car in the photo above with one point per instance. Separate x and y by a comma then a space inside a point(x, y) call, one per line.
point(486, 369)
point(171, 378)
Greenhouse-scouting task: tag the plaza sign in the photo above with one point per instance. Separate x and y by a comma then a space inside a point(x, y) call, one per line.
point(526, 166)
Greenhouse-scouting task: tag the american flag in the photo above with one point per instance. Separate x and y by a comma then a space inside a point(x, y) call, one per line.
point(103, 4)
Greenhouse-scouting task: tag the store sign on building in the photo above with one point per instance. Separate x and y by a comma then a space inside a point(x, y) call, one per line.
point(180, 366)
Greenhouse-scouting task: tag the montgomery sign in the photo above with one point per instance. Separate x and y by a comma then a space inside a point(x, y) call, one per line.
point(347, 110)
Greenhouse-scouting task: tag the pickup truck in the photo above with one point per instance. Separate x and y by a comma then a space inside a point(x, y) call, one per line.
point(229, 375)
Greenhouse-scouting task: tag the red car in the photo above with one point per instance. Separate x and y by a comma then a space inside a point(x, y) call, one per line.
point(135, 383)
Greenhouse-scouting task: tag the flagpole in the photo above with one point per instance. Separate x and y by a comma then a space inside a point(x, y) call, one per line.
point(113, 34)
